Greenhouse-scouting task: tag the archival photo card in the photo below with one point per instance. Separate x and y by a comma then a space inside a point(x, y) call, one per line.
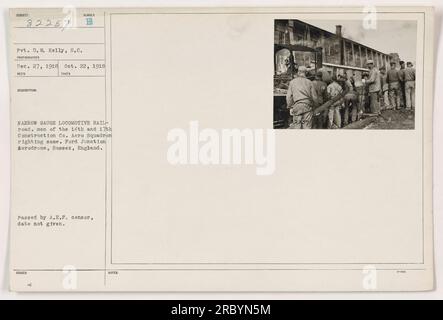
point(150, 150)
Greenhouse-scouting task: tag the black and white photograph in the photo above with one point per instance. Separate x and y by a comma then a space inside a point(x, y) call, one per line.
point(347, 74)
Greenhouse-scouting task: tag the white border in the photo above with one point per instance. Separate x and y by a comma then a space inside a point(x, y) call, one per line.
point(5, 158)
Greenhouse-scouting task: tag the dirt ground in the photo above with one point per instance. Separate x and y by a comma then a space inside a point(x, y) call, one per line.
point(394, 119)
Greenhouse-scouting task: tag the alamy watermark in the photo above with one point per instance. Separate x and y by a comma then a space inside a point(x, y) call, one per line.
point(208, 146)
point(369, 281)
point(370, 17)
point(69, 281)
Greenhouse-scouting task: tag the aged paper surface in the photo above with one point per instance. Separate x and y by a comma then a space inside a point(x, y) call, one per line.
point(164, 150)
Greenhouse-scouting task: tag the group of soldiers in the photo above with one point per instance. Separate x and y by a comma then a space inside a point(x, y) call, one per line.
point(335, 102)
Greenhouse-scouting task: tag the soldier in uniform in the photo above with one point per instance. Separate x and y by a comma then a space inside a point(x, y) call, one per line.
point(367, 101)
point(393, 80)
point(334, 118)
point(360, 89)
point(350, 102)
point(319, 121)
point(301, 99)
point(384, 97)
point(374, 83)
point(410, 86)
point(401, 75)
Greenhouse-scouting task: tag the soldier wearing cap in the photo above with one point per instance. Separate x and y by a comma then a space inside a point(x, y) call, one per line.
point(410, 86)
point(374, 83)
point(393, 80)
point(301, 100)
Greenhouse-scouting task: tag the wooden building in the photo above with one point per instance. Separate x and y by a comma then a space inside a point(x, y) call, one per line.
point(339, 54)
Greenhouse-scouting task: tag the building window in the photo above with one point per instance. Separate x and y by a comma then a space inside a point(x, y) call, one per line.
point(306, 59)
point(315, 38)
point(332, 50)
point(282, 61)
point(299, 33)
point(348, 53)
point(357, 55)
